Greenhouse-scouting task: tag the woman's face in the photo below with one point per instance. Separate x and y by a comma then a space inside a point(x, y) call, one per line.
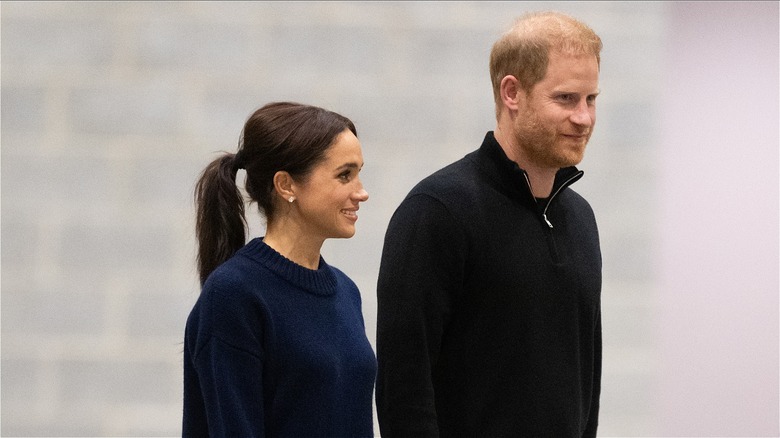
point(329, 199)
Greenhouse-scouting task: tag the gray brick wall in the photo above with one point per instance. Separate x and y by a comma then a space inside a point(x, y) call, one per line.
point(110, 110)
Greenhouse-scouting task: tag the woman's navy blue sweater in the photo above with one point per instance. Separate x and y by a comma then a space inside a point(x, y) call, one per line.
point(274, 349)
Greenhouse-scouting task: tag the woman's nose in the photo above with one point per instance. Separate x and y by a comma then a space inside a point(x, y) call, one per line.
point(361, 195)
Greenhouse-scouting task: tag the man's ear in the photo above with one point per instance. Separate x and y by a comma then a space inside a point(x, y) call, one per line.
point(284, 185)
point(511, 92)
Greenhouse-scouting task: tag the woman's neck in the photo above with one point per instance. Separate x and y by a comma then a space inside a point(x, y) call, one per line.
point(294, 245)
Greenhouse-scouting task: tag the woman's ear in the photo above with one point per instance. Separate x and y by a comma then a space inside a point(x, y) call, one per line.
point(284, 185)
point(511, 92)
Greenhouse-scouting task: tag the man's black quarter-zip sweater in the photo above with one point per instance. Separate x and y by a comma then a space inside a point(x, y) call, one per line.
point(489, 321)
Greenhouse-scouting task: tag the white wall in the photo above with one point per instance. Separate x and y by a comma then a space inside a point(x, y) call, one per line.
point(718, 226)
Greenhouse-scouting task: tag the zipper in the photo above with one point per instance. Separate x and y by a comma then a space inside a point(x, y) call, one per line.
point(565, 184)
point(550, 235)
point(547, 221)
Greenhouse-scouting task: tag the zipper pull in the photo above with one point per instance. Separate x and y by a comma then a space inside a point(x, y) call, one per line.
point(544, 216)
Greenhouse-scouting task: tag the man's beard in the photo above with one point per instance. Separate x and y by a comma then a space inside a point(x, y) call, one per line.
point(543, 146)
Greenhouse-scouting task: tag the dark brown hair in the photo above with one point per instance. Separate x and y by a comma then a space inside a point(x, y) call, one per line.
point(280, 136)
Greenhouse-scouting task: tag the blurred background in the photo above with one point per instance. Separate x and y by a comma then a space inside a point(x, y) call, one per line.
point(111, 109)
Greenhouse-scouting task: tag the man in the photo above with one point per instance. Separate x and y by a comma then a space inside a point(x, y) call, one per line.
point(489, 319)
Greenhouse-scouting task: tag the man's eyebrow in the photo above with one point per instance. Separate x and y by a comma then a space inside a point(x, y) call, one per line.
point(566, 91)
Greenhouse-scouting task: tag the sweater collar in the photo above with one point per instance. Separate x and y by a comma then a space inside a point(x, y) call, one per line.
point(321, 281)
point(495, 163)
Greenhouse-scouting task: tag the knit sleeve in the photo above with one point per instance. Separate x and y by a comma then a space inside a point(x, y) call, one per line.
point(232, 388)
point(228, 361)
point(593, 419)
point(421, 271)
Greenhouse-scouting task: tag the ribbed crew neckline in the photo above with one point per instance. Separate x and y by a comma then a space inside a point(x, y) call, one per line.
point(320, 281)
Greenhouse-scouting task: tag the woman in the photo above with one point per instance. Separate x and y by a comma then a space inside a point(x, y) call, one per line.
point(276, 344)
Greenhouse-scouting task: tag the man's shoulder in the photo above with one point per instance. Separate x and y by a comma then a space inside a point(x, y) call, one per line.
point(455, 177)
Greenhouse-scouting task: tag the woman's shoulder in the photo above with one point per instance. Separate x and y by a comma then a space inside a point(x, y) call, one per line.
point(233, 287)
point(229, 272)
point(340, 275)
point(229, 304)
point(345, 285)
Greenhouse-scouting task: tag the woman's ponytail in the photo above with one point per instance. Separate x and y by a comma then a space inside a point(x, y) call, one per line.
point(220, 225)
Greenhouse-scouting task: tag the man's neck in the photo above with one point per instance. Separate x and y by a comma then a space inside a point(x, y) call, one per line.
point(541, 180)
